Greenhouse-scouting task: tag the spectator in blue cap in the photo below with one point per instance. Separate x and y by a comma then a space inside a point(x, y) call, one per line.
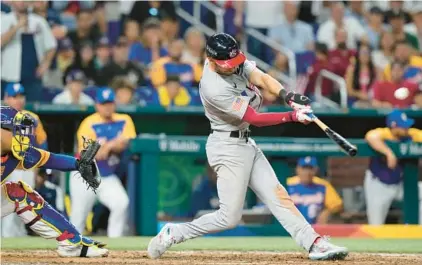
point(73, 94)
point(383, 178)
point(314, 197)
point(65, 55)
point(102, 53)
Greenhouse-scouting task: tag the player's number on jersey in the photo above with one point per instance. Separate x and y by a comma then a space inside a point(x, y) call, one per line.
point(313, 210)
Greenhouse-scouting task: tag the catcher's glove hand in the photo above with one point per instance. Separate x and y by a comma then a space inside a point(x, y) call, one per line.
point(87, 166)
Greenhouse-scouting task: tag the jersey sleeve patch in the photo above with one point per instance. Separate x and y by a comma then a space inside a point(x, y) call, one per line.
point(238, 104)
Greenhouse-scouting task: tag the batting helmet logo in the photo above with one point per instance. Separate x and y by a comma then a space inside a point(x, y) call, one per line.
point(233, 53)
point(211, 51)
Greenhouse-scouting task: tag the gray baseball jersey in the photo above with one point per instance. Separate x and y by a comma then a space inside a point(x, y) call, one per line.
point(239, 163)
point(226, 98)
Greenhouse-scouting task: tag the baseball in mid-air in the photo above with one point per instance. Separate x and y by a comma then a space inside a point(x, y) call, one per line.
point(401, 93)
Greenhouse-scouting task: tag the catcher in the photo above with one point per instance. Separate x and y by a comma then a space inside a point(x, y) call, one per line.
point(18, 152)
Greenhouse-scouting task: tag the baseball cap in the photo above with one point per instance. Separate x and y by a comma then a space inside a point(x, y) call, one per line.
point(308, 161)
point(396, 14)
point(14, 89)
point(173, 78)
point(400, 118)
point(122, 41)
point(65, 44)
point(321, 47)
point(103, 42)
point(75, 75)
point(151, 23)
point(86, 43)
point(376, 10)
point(104, 95)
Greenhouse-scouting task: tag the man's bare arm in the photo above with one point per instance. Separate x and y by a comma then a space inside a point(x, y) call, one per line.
point(268, 83)
point(265, 82)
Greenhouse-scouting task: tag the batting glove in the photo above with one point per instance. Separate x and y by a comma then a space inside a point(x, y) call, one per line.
point(302, 115)
point(294, 100)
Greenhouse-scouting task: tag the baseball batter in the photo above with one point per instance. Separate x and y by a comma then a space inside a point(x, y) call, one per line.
point(230, 96)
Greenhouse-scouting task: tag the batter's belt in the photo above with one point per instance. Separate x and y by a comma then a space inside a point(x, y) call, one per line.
point(245, 134)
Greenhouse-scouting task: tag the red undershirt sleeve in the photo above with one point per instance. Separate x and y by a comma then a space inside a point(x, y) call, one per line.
point(266, 119)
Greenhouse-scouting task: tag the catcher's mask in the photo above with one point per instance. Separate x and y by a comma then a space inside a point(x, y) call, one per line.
point(23, 132)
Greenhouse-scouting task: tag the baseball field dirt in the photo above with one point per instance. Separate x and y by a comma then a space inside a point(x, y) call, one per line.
point(41, 257)
point(215, 250)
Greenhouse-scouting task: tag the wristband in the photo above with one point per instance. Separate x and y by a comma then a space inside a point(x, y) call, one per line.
point(282, 94)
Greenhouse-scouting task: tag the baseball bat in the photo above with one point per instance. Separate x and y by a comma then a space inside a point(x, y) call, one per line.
point(345, 145)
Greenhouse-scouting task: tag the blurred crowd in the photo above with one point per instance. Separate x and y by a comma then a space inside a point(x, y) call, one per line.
point(72, 48)
point(150, 56)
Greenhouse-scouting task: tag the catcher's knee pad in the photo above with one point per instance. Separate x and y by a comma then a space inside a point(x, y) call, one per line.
point(24, 197)
point(40, 216)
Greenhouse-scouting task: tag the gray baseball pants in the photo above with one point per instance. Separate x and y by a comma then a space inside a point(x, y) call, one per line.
point(240, 164)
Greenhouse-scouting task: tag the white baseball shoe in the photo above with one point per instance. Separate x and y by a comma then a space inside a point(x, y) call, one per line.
point(82, 251)
point(161, 242)
point(324, 250)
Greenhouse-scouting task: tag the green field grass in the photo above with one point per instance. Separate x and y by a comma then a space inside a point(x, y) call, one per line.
point(229, 243)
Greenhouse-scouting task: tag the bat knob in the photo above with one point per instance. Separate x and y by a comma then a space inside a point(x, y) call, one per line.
point(353, 151)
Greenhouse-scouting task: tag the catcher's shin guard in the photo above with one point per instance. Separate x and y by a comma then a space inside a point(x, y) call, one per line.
point(43, 219)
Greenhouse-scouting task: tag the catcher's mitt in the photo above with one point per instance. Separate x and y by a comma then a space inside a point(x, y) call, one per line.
point(87, 166)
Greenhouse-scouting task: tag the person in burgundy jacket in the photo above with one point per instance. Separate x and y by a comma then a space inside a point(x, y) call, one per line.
point(321, 63)
point(341, 55)
point(397, 93)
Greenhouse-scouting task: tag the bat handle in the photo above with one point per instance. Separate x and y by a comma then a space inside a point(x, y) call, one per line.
point(311, 115)
point(315, 119)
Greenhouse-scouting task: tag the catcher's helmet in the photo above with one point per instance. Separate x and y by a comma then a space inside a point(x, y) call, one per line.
point(224, 50)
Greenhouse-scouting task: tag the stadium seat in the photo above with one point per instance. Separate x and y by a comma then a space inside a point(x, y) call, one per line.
point(49, 93)
point(144, 95)
point(315, 27)
point(303, 61)
point(113, 32)
point(194, 93)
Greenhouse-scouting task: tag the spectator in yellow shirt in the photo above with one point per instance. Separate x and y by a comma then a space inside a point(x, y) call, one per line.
point(172, 94)
point(189, 75)
point(315, 198)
